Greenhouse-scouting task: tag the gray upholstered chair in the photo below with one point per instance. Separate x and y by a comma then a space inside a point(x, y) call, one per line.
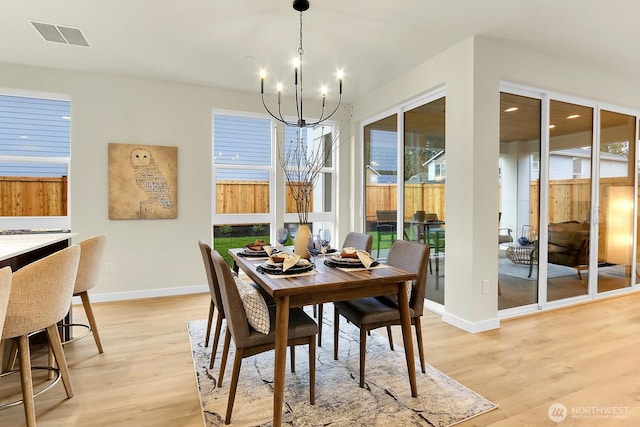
point(361, 241)
point(89, 269)
point(40, 297)
point(375, 312)
point(249, 342)
point(216, 300)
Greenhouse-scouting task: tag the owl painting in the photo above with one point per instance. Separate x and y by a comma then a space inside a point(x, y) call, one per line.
point(152, 192)
point(150, 178)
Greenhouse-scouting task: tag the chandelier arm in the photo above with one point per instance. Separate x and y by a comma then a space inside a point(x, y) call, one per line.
point(280, 119)
point(322, 119)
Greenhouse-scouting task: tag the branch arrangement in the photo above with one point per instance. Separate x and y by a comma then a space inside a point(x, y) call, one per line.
point(303, 162)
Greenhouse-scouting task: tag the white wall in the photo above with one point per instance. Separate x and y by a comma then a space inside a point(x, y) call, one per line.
point(471, 72)
point(151, 257)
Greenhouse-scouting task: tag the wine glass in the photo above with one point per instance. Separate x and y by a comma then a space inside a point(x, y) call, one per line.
point(313, 246)
point(324, 236)
point(282, 234)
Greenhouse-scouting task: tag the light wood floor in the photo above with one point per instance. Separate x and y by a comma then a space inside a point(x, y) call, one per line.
point(585, 356)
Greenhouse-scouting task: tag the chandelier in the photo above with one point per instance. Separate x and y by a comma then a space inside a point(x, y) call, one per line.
point(300, 6)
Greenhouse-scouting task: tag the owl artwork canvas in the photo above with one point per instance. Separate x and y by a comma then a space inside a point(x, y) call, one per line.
point(142, 181)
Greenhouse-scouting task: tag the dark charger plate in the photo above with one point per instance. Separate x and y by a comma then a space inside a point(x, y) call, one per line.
point(345, 262)
point(249, 253)
point(277, 269)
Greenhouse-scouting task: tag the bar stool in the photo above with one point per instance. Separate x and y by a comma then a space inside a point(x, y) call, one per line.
point(40, 297)
point(5, 288)
point(91, 256)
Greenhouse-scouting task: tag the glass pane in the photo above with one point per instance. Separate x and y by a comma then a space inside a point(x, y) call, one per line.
point(617, 169)
point(570, 141)
point(34, 127)
point(241, 140)
point(36, 189)
point(308, 154)
point(227, 236)
point(424, 187)
point(381, 177)
point(243, 145)
point(519, 177)
point(242, 191)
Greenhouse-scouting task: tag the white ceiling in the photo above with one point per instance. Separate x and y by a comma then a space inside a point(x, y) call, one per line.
point(224, 43)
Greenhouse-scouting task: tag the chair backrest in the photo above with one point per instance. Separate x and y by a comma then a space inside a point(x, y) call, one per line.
point(232, 304)
point(41, 293)
point(430, 217)
point(90, 265)
point(5, 288)
point(361, 241)
point(386, 217)
point(212, 278)
point(413, 257)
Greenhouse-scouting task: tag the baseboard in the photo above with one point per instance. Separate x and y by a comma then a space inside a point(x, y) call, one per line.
point(149, 293)
point(473, 327)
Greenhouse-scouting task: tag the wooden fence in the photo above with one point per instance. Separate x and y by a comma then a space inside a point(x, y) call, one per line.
point(33, 196)
point(569, 199)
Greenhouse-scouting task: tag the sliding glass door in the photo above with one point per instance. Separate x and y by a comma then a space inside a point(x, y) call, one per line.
point(425, 175)
point(569, 203)
point(586, 225)
point(616, 190)
point(518, 210)
point(381, 183)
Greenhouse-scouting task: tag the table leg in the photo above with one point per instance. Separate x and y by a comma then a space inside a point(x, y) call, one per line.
point(405, 320)
point(282, 336)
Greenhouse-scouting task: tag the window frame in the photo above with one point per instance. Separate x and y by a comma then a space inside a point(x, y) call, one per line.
point(46, 222)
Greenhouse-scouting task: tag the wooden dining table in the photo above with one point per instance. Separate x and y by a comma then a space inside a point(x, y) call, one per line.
point(326, 284)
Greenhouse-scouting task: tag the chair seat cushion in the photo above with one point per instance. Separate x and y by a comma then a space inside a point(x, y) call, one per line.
point(300, 325)
point(393, 298)
point(369, 310)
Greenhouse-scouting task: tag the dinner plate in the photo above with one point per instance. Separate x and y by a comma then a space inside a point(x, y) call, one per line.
point(276, 268)
point(253, 253)
point(338, 261)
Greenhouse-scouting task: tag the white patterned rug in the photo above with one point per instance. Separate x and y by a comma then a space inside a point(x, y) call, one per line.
point(386, 399)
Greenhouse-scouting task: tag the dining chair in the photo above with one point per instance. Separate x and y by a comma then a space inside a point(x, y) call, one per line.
point(40, 297)
point(216, 300)
point(353, 239)
point(89, 270)
point(375, 312)
point(248, 341)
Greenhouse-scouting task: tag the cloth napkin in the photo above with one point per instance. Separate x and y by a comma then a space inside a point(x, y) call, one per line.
point(290, 261)
point(365, 258)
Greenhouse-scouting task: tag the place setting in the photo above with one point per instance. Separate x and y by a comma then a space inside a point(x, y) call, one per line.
point(351, 259)
point(285, 264)
point(258, 250)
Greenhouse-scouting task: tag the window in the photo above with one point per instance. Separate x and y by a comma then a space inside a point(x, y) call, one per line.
point(242, 164)
point(35, 153)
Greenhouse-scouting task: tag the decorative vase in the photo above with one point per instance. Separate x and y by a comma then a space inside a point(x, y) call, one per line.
point(301, 240)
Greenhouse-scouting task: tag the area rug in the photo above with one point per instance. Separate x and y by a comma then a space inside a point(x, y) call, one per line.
point(386, 399)
point(508, 267)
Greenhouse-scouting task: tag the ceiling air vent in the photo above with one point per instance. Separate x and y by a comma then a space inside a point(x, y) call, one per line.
point(60, 34)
